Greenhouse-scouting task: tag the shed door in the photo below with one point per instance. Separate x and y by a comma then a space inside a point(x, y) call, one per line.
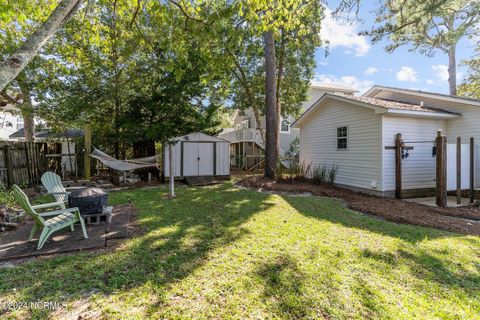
point(198, 159)
point(206, 159)
point(190, 159)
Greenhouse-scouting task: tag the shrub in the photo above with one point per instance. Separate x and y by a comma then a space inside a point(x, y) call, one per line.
point(319, 174)
point(332, 174)
point(291, 169)
point(293, 149)
point(6, 197)
point(322, 174)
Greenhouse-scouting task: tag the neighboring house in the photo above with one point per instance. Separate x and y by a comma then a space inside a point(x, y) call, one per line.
point(247, 145)
point(352, 133)
point(64, 149)
point(9, 122)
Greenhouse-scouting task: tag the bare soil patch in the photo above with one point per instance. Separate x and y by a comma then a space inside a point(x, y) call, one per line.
point(464, 220)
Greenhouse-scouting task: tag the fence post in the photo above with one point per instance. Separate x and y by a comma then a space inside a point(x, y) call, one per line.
point(472, 169)
point(87, 147)
point(398, 166)
point(8, 164)
point(459, 170)
point(441, 170)
point(171, 170)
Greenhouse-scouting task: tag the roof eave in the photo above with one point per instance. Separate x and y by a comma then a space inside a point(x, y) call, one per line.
point(423, 114)
point(376, 89)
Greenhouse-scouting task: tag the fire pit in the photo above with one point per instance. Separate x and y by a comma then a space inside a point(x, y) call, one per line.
point(88, 200)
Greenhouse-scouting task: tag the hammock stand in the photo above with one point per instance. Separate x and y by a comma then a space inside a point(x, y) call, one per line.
point(124, 165)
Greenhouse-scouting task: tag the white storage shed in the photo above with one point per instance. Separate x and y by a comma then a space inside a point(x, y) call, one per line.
point(356, 133)
point(197, 154)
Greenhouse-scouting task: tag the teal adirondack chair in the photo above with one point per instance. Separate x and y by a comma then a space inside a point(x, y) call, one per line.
point(53, 183)
point(61, 218)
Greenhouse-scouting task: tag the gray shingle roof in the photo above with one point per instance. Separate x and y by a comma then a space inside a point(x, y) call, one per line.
point(390, 104)
point(379, 87)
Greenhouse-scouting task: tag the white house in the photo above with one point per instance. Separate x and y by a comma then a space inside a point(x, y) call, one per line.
point(245, 137)
point(10, 122)
point(352, 133)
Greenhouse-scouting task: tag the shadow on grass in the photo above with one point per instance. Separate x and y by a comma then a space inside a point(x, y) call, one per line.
point(424, 265)
point(331, 210)
point(284, 288)
point(179, 235)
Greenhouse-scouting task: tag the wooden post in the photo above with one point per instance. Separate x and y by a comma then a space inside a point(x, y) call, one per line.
point(472, 169)
point(8, 164)
point(398, 166)
point(171, 170)
point(441, 170)
point(88, 148)
point(459, 170)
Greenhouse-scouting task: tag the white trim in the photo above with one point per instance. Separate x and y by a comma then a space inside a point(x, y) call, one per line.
point(372, 92)
point(332, 88)
point(377, 109)
point(424, 114)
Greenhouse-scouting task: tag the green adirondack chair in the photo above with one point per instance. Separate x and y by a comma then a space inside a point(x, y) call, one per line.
point(53, 183)
point(61, 218)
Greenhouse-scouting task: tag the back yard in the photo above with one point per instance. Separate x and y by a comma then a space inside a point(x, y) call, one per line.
point(224, 252)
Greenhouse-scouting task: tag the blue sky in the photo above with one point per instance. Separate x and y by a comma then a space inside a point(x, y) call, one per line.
point(354, 61)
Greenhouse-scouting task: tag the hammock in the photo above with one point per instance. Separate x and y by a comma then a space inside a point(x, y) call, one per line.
point(124, 165)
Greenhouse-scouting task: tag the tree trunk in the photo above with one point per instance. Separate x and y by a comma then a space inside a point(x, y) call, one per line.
point(452, 70)
point(28, 124)
point(258, 120)
point(27, 111)
point(278, 103)
point(271, 136)
point(13, 65)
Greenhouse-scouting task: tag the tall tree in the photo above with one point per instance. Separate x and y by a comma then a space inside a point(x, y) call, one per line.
point(21, 19)
point(272, 19)
point(271, 123)
point(427, 26)
point(14, 64)
point(119, 73)
point(470, 87)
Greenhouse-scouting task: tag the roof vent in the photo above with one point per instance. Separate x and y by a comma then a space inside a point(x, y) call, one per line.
point(421, 103)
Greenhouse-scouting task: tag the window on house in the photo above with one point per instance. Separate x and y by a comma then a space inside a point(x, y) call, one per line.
point(246, 123)
point(342, 138)
point(285, 125)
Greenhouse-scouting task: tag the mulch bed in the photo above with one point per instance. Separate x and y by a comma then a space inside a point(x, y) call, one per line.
point(463, 220)
point(14, 244)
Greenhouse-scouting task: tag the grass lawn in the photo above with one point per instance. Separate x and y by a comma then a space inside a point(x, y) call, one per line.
point(222, 252)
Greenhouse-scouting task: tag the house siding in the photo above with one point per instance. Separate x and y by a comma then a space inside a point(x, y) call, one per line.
point(418, 170)
point(359, 165)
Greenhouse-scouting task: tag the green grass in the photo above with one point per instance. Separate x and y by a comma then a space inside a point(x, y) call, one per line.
point(222, 252)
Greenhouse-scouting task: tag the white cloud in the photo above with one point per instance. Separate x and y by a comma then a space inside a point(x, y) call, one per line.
point(349, 81)
point(440, 71)
point(407, 74)
point(371, 70)
point(343, 34)
point(430, 81)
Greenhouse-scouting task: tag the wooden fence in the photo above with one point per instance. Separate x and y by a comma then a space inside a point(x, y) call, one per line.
point(22, 163)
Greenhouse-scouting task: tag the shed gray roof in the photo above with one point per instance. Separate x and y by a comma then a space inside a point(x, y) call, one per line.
point(47, 133)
